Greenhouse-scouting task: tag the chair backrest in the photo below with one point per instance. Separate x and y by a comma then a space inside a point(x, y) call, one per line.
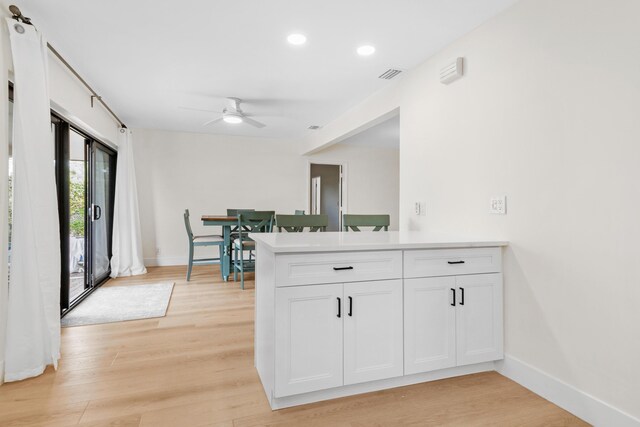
point(297, 223)
point(353, 222)
point(299, 212)
point(235, 212)
point(187, 224)
point(254, 222)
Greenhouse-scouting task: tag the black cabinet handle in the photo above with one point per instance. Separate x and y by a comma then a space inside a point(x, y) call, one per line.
point(339, 307)
point(453, 294)
point(342, 268)
point(350, 307)
point(455, 262)
point(461, 296)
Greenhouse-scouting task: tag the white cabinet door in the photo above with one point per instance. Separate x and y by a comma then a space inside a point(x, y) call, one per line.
point(372, 331)
point(479, 320)
point(429, 324)
point(308, 339)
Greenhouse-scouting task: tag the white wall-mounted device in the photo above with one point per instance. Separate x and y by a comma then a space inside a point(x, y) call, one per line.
point(498, 205)
point(452, 71)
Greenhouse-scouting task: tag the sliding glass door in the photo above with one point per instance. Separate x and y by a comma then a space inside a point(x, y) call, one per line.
point(85, 171)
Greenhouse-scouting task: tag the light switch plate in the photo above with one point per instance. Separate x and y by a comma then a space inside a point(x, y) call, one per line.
point(498, 205)
point(419, 208)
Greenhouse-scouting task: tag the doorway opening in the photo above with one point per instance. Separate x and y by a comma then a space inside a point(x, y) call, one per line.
point(326, 195)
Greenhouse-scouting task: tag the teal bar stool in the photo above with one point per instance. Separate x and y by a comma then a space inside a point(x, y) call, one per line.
point(297, 223)
point(209, 240)
point(354, 222)
point(249, 222)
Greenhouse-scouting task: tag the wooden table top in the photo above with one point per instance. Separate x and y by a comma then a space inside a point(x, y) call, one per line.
point(220, 218)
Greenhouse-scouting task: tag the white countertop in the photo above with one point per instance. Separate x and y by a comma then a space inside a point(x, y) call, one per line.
point(366, 241)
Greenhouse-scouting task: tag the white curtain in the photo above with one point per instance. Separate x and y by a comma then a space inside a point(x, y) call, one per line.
point(127, 257)
point(4, 195)
point(33, 323)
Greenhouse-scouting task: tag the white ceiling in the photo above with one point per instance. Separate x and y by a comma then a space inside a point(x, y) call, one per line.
point(149, 58)
point(382, 135)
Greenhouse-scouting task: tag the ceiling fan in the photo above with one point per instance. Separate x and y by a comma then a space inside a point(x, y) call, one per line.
point(234, 115)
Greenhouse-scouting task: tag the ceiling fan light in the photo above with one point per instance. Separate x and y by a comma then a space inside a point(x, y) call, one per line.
point(232, 119)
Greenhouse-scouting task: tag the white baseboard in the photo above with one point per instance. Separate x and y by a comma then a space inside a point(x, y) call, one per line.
point(164, 261)
point(583, 405)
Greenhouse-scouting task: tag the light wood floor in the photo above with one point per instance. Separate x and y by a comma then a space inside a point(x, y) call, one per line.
point(194, 367)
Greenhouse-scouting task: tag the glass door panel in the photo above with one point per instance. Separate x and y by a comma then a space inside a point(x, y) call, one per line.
point(102, 178)
point(77, 215)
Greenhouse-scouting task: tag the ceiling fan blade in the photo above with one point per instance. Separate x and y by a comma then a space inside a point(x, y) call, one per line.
point(252, 122)
point(210, 122)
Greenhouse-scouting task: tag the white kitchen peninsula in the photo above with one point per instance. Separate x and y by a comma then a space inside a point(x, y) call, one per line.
point(339, 314)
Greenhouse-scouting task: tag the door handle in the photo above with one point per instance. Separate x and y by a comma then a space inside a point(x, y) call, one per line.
point(339, 307)
point(461, 296)
point(453, 294)
point(455, 262)
point(342, 268)
point(96, 212)
point(350, 307)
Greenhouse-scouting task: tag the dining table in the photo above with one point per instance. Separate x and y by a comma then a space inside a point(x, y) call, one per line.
point(227, 223)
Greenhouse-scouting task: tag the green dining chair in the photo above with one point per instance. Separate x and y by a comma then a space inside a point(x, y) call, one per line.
point(249, 222)
point(299, 212)
point(235, 212)
point(195, 241)
point(297, 223)
point(354, 222)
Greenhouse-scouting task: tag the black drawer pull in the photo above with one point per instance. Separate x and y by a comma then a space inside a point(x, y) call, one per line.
point(350, 313)
point(455, 262)
point(342, 268)
point(339, 307)
point(462, 296)
point(453, 300)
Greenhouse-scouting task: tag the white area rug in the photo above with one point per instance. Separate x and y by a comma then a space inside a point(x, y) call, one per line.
point(120, 303)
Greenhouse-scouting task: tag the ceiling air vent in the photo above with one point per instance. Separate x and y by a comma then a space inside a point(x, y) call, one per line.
point(389, 74)
point(313, 127)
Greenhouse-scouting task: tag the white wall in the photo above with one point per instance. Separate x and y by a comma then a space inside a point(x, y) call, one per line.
point(210, 173)
point(548, 113)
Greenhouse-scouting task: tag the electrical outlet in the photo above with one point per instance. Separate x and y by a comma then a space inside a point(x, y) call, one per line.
point(157, 251)
point(498, 205)
point(419, 208)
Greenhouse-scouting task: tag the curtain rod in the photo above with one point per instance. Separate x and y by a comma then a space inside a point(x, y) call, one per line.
point(18, 16)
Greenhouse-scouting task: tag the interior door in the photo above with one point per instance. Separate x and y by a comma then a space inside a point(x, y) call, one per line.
point(429, 324)
point(479, 318)
point(308, 339)
point(102, 171)
point(373, 348)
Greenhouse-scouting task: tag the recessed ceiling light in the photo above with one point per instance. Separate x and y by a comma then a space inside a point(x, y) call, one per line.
point(297, 39)
point(366, 50)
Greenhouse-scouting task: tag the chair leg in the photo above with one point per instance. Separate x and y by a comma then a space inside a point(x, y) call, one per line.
point(190, 262)
point(242, 271)
point(220, 257)
point(235, 265)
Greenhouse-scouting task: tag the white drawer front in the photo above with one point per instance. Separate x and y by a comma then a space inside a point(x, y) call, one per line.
point(449, 262)
point(337, 267)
